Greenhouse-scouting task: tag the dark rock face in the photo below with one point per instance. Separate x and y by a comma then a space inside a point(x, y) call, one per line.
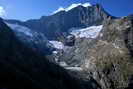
point(70, 40)
point(23, 68)
point(55, 25)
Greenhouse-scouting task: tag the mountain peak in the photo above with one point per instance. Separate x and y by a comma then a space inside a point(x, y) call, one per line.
point(76, 15)
point(72, 6)
point(76, 5)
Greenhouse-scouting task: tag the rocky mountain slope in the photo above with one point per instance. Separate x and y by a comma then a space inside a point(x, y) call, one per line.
point(107, 58)
point(23, 68)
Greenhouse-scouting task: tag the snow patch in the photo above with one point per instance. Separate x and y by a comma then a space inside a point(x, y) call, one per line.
point(66, 66)
point(63, 64)
point(89, 32)
point(74, 68)
point(21, 29)
point(55, 52)
point(57, 44)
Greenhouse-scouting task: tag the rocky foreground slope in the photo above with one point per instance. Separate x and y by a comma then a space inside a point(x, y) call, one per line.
point(107, 58)
point(110, 57)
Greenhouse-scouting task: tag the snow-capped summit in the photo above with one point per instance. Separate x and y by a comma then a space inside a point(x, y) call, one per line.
point(76, 5)
point(86, 4)
point(59, 9)
point(72, 6)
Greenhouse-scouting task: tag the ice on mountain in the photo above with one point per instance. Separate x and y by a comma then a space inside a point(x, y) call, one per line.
point(89, 32)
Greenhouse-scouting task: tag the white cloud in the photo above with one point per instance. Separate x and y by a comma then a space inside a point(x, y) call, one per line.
point(2, 11)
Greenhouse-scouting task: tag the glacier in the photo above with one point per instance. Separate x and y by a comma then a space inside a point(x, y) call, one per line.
point(88, 32)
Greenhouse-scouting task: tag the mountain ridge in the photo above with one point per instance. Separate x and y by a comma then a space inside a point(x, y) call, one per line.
point(62, 21)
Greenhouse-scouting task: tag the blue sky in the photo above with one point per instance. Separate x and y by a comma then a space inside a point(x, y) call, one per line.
point(33, 9)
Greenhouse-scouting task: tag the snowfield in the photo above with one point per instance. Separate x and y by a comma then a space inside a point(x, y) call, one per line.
point(89, 32)
point(20, 29)
point(57, 44)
